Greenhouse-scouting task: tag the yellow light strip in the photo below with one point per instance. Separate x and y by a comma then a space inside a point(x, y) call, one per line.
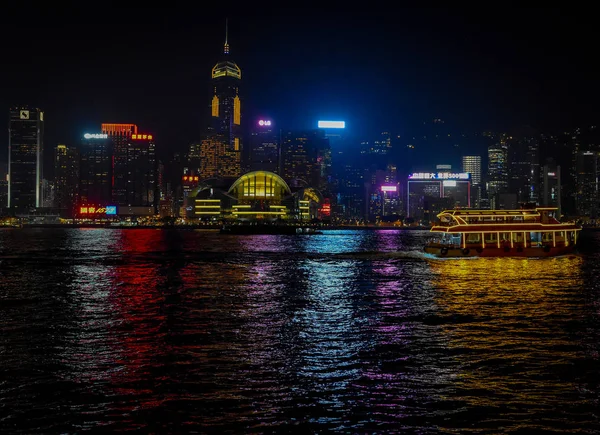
point(260, 212)
point(208, 206)
point(208, 200)
point(207, 212)
point(242, 206)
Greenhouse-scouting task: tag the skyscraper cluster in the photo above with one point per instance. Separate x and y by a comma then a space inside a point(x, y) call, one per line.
point(115, 170)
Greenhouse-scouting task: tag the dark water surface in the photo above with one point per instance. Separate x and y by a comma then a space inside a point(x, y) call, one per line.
point(172, 331)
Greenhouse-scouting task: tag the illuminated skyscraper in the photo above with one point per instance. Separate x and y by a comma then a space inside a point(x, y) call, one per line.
point(25, 151)
point(472, 165)
point(497, 170)
point(226, 115)
point(142, 186)
point(263, 148)
point(306, 158)
point(120, 136)
point(66, 179)
point(96, 170)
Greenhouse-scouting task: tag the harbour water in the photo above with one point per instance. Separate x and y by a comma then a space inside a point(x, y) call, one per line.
point(170, 331)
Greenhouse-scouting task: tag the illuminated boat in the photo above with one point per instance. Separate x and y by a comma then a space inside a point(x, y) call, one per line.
point(533, 232)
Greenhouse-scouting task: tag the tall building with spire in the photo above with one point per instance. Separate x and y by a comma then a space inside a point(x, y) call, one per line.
point(224, 136)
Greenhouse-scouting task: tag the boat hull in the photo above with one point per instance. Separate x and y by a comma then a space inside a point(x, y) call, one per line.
point(494, 251)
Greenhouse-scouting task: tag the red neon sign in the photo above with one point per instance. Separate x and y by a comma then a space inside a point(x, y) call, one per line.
point(141, 136)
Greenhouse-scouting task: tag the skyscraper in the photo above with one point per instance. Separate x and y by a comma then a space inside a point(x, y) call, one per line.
point(524, 168)
point(142, 186)
point(472, 165)
point(263, 148)
point(497, 170)
point(225, 130)
point(25, 153)
point(306, 158)
point(66, 178)
point(96, 170)
point(120, 137)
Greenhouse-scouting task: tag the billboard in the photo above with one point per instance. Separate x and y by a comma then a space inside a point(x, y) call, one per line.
point(389, 188)
point(332, 124)
point(95, 136)
point(92, 210)
point(440, 176)
point(141, 136)
point(264, 123)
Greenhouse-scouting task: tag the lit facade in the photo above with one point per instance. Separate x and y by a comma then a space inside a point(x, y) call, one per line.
point(120, 137)
point(472, 165)
point(306, 158)
point(225, 133)
point(96, 171)
point(257, 195)
point(524, 169)
point(263, 148)
point(25, 158)
point(497, 182)
point(587, 170)
point(428, 194)
point(66, 178)
point(551, 186)
point(142, 186)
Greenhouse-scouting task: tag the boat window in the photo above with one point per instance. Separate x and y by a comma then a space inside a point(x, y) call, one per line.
point(490, 238)
point(474, 238)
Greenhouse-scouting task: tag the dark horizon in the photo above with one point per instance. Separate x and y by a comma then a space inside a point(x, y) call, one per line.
point(498, 71)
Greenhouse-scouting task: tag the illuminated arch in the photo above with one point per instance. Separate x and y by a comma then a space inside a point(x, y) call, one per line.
point(262, 185)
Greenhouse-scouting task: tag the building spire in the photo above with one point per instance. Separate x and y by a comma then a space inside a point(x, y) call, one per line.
point(226, 46)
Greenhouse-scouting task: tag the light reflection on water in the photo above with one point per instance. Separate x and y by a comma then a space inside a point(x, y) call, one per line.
point(350, 331)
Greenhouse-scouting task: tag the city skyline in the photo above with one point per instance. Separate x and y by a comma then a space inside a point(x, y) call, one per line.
point(363, 70)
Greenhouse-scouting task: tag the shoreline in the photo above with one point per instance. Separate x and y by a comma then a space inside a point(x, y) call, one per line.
point(215, 227)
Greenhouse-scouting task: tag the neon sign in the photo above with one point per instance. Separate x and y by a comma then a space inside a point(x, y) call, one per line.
point(389, 188)
point(141, 136)
point(331, 124)
point(95, 136)
point(264, 123)
point(440, 176)
point(93, 210)
point(190, 178)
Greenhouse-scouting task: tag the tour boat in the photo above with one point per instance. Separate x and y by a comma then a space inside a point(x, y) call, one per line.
point(532, 232)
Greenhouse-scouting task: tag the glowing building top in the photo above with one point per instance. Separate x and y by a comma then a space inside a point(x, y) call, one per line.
point(226, 67)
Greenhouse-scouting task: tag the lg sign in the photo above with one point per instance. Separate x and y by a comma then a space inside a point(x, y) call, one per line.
point(264, 123)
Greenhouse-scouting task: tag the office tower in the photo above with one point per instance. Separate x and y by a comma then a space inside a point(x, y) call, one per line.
point(587, 169)
point(472, 165)
point(3, 186)
point(96, 170)
point(306, 158)
point(25, 154)
point(429, 193)
point(120, 137)
point(263, 148)
point(225, 131)
point(142, 186)
point(497, 171)
point(194, 158)
point(524, 168)
point(66, 179)
point(551, 186)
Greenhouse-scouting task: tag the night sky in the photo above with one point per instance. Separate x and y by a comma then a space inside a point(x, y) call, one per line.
point(475, 68)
